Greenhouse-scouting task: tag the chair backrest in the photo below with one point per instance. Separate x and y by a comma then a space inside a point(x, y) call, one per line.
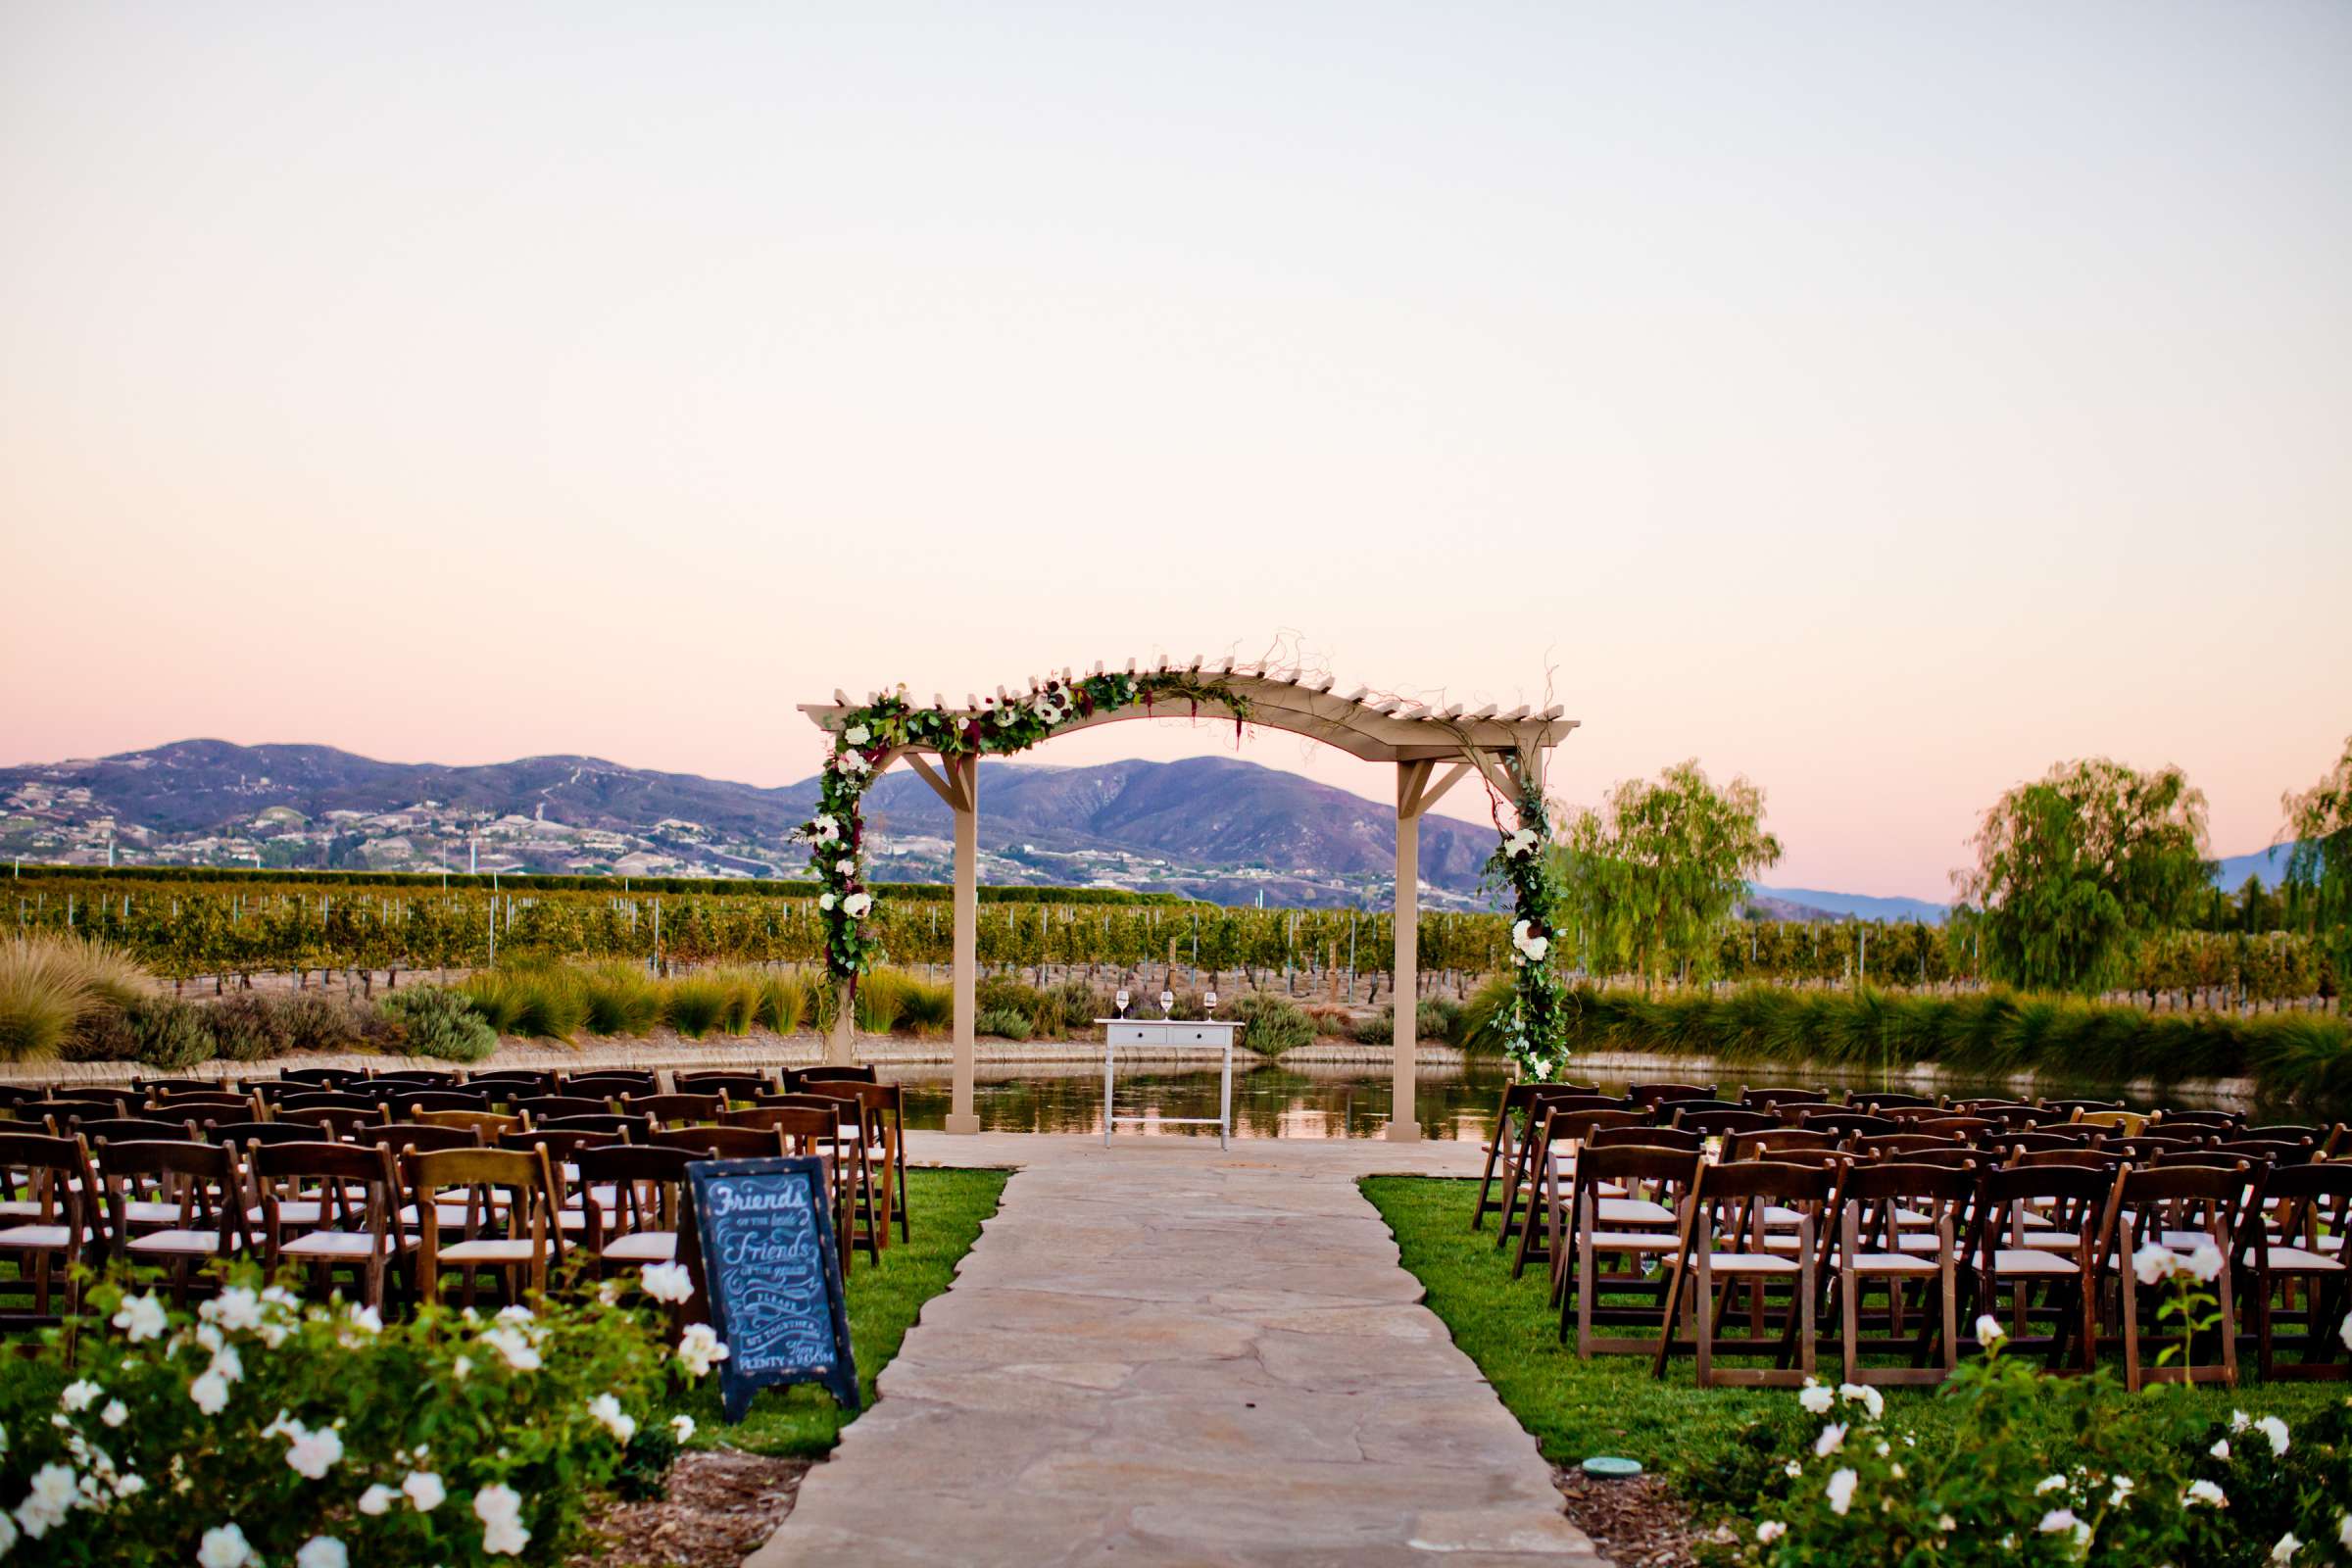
point(2270, 1152)
point(509, 1079)
point(326, 1100)
point(2289, 1133)
point(324, 1077)
point(65, 1110)
point(2072, 1158)
point(158, 1087)
point(1572, 1126)
point(734, 1085)
point(719, 1143)
point(561, 1144)
point(2148, 1146)
point(522, 1175)
point(630, 1127)
point(1713, 1123)
point(674, 1108)
point(1636, 1164)
point(409, 1103)
point(423, 1137)
point(1645, 1136)
point(542, 1107)
point(1759, 1142)
point(122, 1129)
point(196, 1105)
point(2309, 1196)
point(1848, 1122)
point(245, 1133)
point(2197, 1118)
point(2127, 1122)
point(1876, 1100)
point(1733, 1190)
point(201, 1178)
point(800, 1126)
point(606, 1081)
point(2072, 1197)
point(1665, 1093)
point(420, 1077)
point(1958, 1126)
point(18, 1093)
point(335, 1120)
point(2205, 1197)
point(832, 1074)
point(1760, 1098)
point(632, 1187)
point(1902, 1145)
point(2070, 1107)
point(2033, 1142)
point(490, 1124)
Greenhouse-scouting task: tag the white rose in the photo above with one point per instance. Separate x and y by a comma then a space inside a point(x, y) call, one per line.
point(2056, 1520)
point(424, 1491)
point(1832, 1438)
point(312, 1454)
point(1842, 1491)
point(80, 1396)
point(376, 1499)
point(513, 1344)
point(2271, 1427)
point(609, 1414)
point(1770, 1531)
point(1872, 1400)
point(2205, 1262)
point(2203, 1492)
point(2285, 1547)
point(668, 1282)
point(323, 1551)
point(500, 1508)
point(1817, 1398)
point(1989, 1332)
point(141, 1317)
point(824, 901)
point(856, 735)
point(115, 1413)
point(700, 1348)
point(224, 1546)
point(857, 904)
point(2154, 1263)
point(681, 1427)
point(210, 1392)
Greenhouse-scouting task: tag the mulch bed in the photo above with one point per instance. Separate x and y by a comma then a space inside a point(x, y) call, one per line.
point(722, 1508)
point(1635, 1524)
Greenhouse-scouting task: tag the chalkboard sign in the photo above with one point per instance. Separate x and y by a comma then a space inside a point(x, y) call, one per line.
point(761, 1242)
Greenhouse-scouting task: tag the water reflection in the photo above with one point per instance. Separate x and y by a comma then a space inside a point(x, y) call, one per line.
point(1308, 1101)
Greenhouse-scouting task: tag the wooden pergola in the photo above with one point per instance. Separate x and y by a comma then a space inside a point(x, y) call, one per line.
point(1504, 748)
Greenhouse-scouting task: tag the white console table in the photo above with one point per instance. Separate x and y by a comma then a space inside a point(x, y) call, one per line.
point(1164, 1034)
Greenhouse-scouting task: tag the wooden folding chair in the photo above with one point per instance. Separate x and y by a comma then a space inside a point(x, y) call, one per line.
point(328, 1208)
point(607, 1083)
point(50, 1209)
point(1725, 1241)
point(2178, 1206)
point(543, 1108)
point(202, 1190)
point(508, 1231)
point(733, 1084)
point(2037, 1236)
point(1664, 1173)
point(488, 1125)
point(2310, 1200)
point(1520, 1178)
point(674, 1110)
point(1502, 1149)
point(1876, 1203)
point(880, 1128)
point(813, 1125)
point(1553, 1154)
point(632, 1196)
point(1654, 1095)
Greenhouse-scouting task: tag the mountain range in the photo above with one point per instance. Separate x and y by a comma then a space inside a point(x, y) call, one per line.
point(1209, 827)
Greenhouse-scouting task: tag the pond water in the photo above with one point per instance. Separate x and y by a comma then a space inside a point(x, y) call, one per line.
point(1350, 1101)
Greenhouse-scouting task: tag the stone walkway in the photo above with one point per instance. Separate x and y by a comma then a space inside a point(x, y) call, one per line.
point(1163, 1354)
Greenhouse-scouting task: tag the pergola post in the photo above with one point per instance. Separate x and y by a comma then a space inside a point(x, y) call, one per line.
point(1405, 1127)
point(963, 773)
point(841, 1043)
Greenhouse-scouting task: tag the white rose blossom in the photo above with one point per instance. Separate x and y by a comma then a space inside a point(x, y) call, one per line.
point(668, 1282)
point(210, 1392)
point(1817, 1398)
point(115, 1413)
point(2220, 1449)
point(54, 1495)
point(2205, 1492)
point(609, 1414)
point(376, 1499)
point(856, 735)
point(1989, 1332)
point(1872, 1400)
point(681, 1427)
point(2271, 1427)
point(700, 1348)
point(499, 1506)
point(515, 1345)
point(424, 1491)
point(2284, 1549)
point(857, 904)
point(1770, 1531)
point(323, 1551)
point(1832, 1438)
point(2056, 1520)
point(2204, 1262)
point(141, 1317)
point(1842, 1491)
point(2154, 1263)
point(80, 1396)
point(224, 1546)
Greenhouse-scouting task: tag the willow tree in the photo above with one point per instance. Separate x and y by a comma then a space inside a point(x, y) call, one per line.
point(2073, 869)
point(2319, 868)
point(1651, 877)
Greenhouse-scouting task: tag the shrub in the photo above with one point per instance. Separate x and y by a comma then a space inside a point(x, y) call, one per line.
point(272, 1420)
point(103, 1034)
point(926, 1007)
point(695, 1004)
point(1275, 1024)
point(1438, 1021)
point(316, 1022)
point(247, 1026)
point(1380, 1029)
point(496, 997)
point(620, 999)
point(2031, 1469)
point(1079, 1006)
point(168, 1034)
point(438, 1023)
point(1008, 1022)
point(1042, 1012)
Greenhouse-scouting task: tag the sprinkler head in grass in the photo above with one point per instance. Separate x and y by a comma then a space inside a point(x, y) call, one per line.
point(1607, 1467)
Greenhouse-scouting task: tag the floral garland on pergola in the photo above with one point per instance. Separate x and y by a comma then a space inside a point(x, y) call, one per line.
point(999, 727)
point(1538, 1038)
point(1006, 726)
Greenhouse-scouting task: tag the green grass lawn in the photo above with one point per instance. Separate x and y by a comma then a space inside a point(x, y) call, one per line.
point(1610, 1405)
point(947, 1207)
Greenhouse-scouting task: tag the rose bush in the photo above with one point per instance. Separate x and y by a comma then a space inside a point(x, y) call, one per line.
point(264, 1430)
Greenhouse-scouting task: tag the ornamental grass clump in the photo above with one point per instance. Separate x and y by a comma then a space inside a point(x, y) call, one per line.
point(262, 1430)
point(783, 1002)
point(620, 998)
point(1007, 1023)
point(695, 1004)
point(54, 988)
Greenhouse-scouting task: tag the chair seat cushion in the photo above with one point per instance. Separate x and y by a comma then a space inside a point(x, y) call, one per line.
point(1892, 1263)
point(488, 1252)
point(182, 1244)
point(294, 1211)
point(2297, 1260)
point(2033, 1260)
point(660, 1246)
point(45, 1238)
point(1633, 1211)
point(1617, 1241)
point(145, 1213)
point(336, 1244)
point(1750, 1263)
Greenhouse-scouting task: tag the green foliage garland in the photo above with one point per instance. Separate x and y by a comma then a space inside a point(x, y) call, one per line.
point(866, 735)
point(1538, 1025)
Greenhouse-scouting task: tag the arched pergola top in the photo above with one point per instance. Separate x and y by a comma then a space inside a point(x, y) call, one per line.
point(1506, 749)
point(1375, 727)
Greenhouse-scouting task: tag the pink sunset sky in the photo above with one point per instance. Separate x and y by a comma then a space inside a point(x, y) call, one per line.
point(1882, 401)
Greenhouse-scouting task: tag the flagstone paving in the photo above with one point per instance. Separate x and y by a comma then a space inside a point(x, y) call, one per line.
point(1160, 1353)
